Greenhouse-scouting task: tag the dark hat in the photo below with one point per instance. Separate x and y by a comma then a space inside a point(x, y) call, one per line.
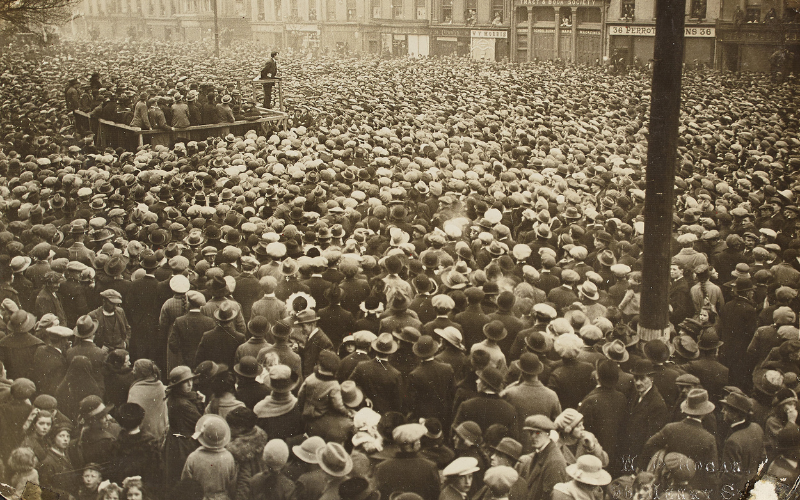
point(357, 488)
point(492, 377)
point(656, 351)
point(709, 340)
point(408, 334)
point(537, 342)
point(530, 364)
point(328, 362)
point(241, 418)
point(495, 330)
point(179, 375)
point(281, 329)
point(739, 402)
point(149, 261)
point(85, 327)
point(509, 447)
point(129, 416)
point(425, 347)
point(92, 407)
point(643, 367)
point(686, 347)
point(248, 367)
point(691, 325)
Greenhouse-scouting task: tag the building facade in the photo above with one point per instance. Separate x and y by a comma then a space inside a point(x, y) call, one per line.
point(466, 28)
point(631, 28)
point(759, 35)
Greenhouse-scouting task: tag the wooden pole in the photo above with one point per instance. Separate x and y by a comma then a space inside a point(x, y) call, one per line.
point(661, 157)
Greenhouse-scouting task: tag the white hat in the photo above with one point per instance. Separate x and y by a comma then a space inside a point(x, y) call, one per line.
point(461, 466)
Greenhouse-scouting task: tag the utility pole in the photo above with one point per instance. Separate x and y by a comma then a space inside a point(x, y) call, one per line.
point(216, 31)
point(665, 104)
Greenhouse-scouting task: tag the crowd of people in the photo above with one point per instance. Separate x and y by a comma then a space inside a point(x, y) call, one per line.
point(434, 292)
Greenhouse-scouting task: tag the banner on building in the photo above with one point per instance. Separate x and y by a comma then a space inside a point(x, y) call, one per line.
point(689, 32)
point(489, 34)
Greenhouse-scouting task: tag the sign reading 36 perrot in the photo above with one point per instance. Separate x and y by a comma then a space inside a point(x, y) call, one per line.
point(689, 32)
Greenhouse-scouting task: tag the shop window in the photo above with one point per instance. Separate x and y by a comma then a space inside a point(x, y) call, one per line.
point(542, 14)
point(698, 9)
point(421, 9)
point(522, 14)
point(447, 11)
point(589, 15)
point(628, 10)
point(330, 11)
point(351, 10)
point(752, 14)
point(397, 9)
point(565, 15)
point(470, 11)
point(497, 12)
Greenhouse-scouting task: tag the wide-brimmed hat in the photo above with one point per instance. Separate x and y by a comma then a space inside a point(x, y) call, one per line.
point(407, 334)
point(21, 322)
point(697, 403)
point(212, 431)
point(334, 460)
point(588, 469)
point(686, 347)
point(307, 450)
point(85, 327)
point(589, 290)
point(538, 343)
point(451, 335)
point(226, 312)
point(281, 330)
point(425, 347)
point(495, 330)
point(179, 375)
point(385, 344)
point(616, 351)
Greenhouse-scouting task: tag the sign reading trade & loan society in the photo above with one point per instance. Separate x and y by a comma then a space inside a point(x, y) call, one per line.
point(689, 32)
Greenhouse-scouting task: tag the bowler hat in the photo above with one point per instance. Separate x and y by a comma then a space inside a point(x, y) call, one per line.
point(248, 367)
point(643, 367)
point(492, 377)
point(530, 364)
point(495, 330)
point(709, 340)
point(425, 347)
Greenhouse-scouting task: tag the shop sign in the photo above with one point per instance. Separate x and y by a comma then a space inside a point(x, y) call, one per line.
point(689, 32)
point(562, 3)
point(489, 34)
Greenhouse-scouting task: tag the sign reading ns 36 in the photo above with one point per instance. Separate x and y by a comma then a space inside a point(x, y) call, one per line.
point(689, 32)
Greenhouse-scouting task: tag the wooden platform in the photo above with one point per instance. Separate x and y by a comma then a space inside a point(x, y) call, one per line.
point(115, 135)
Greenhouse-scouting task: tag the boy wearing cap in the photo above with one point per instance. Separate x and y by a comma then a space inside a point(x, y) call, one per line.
point(113, 331)
point(458, 478)
point(545, 467)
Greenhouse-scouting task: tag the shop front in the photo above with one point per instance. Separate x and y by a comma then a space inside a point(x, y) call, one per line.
point(400, 41)
point(489, 45)
point(634, 43)
point(449, 41)
point(568, 30)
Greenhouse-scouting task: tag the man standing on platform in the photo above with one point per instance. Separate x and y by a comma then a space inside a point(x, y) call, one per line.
point(270, 70)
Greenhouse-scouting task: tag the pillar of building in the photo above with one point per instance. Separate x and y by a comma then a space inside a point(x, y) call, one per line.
point(556, 32)
point(530, 34)
point(574, 34)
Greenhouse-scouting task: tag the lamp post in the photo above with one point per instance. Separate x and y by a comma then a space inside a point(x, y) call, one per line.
point(663, 145)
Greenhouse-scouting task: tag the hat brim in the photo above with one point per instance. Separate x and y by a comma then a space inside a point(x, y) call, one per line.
point(185, 379)
point(88, 334)
point(598, 478)
point(425, 354)
point(607, 353)
point(304, 456)
point(391, 350)
point(536, 371)
point(704, 409)
point(746, 411)
point(30, 322)
point(238, 371)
